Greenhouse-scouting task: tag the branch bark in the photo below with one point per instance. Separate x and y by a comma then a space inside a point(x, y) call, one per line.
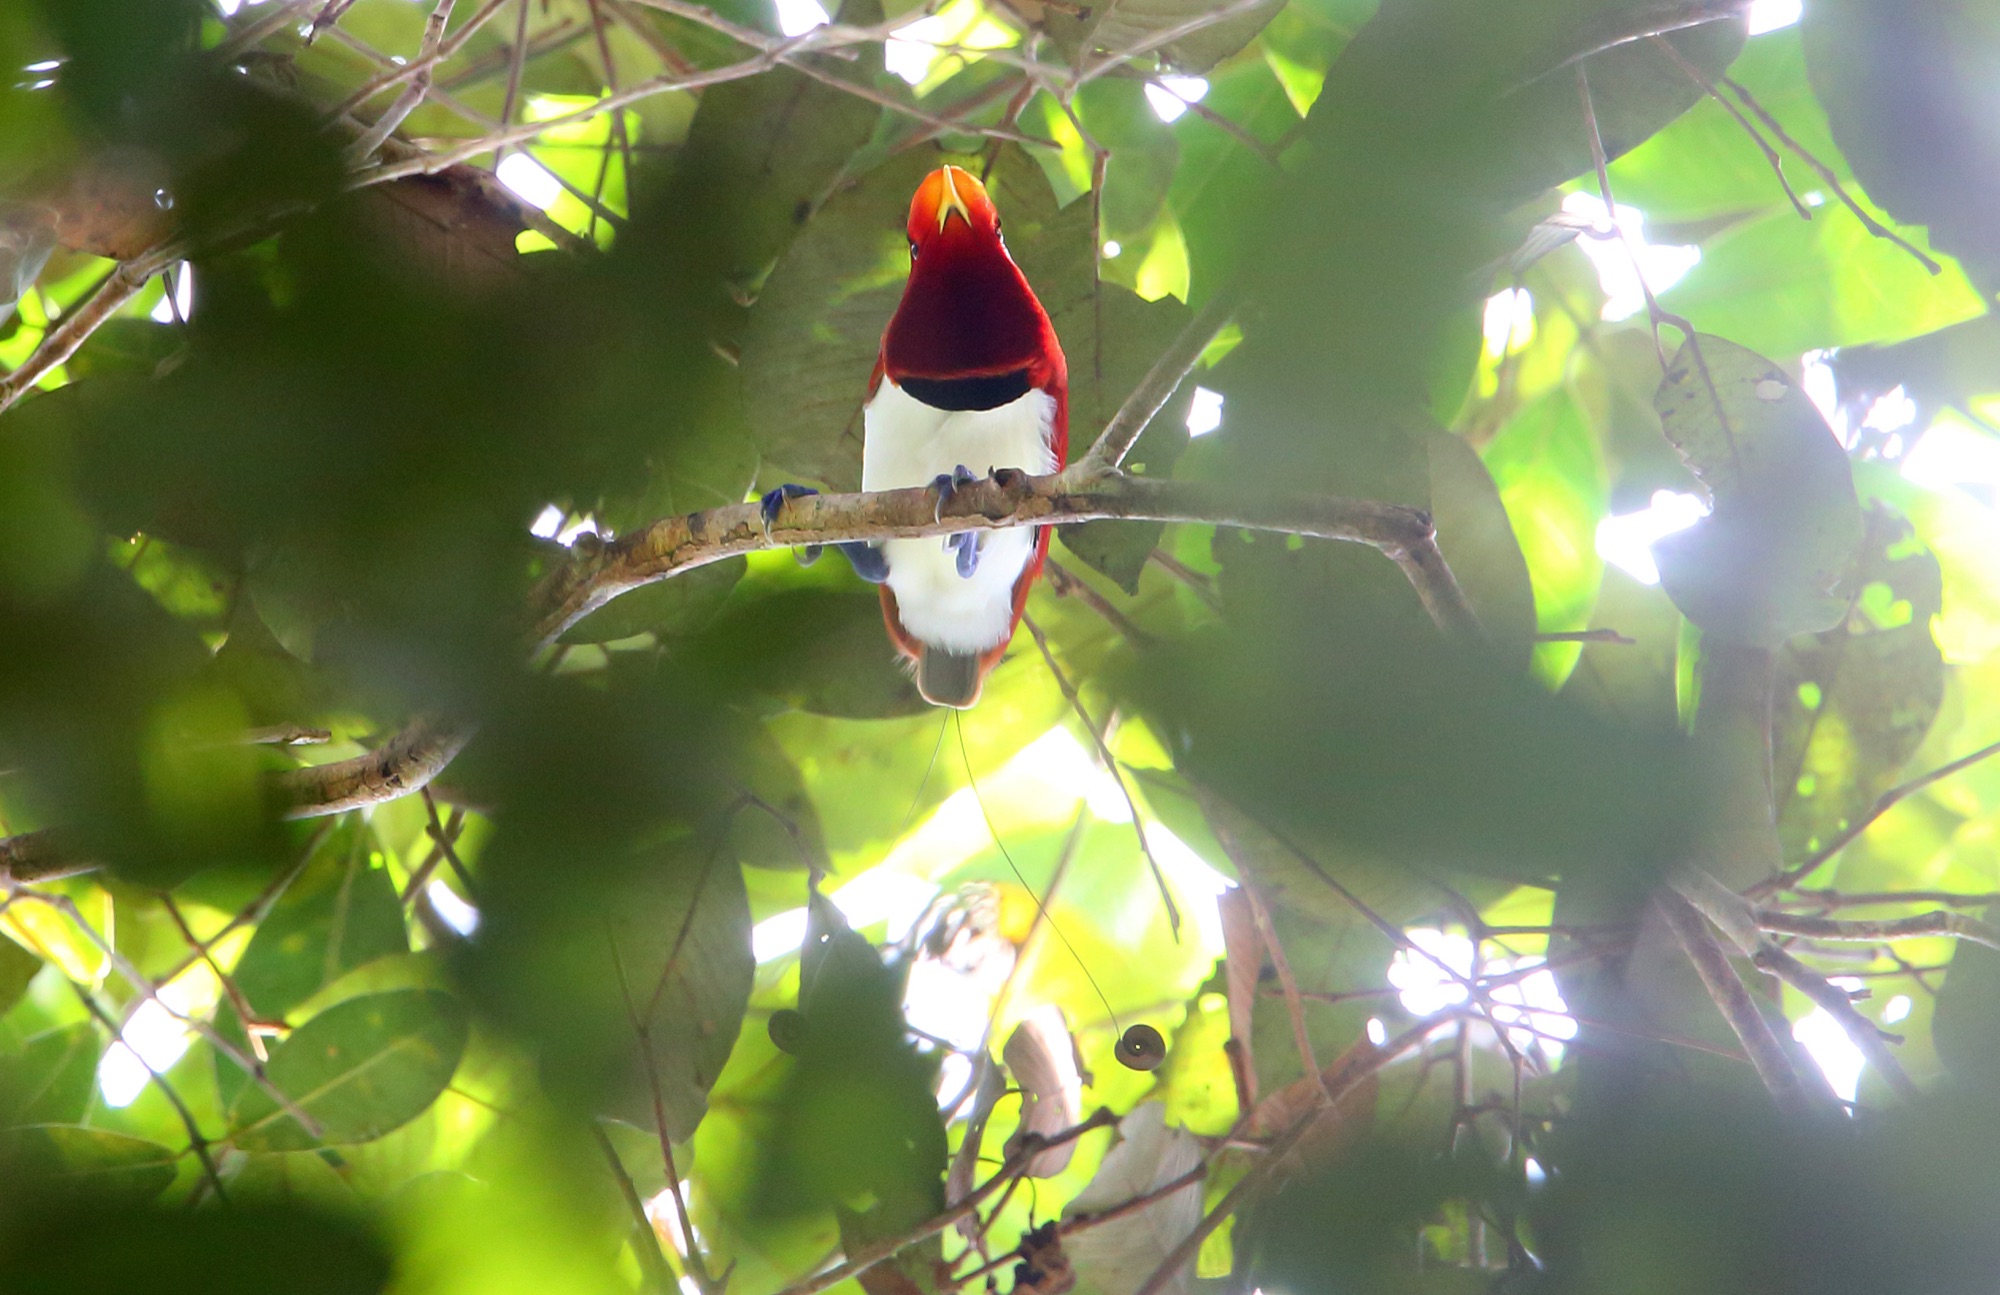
point(1733, 999)
point(1957, 925)
point(401, 766)
point(597, 573)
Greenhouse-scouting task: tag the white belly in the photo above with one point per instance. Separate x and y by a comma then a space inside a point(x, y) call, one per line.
point(908, 443)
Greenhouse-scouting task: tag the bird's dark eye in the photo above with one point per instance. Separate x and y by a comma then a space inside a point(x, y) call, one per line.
point(913, 249)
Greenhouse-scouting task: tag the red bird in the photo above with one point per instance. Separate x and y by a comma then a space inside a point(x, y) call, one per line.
point(970, 374)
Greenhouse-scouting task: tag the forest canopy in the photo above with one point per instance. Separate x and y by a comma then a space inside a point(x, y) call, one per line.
point(1489, 792)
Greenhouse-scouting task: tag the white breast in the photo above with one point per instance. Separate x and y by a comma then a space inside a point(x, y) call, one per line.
point(908, 443)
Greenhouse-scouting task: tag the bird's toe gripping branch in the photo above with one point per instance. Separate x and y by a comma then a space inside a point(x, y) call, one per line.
point(865, 558)
point(964, 545)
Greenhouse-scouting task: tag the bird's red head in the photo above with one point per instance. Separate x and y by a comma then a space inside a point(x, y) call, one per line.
point(951, 204)
point(966, 311)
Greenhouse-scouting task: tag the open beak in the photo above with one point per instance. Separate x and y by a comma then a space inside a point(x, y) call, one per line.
point(949, 200)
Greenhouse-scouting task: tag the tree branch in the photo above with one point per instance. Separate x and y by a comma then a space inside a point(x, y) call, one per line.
point(599, 572)
point(876, 1252)
point(1732, 999)
point(1160, 382)
point(1957, 925)
point(1348, 1074)
point(401, 766)
point(70, 332)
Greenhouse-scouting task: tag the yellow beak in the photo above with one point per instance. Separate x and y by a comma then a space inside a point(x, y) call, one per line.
point(949, 201)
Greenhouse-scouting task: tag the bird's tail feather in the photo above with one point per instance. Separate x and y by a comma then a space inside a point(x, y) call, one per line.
point(948, 678)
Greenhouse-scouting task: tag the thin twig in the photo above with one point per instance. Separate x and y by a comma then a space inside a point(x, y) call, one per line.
point(876, 1251)
point(140, 982)
point(1349, 1075)
point(196, 1141)
point(1708, 87)
point(73, 329)
point(412, 97)
point(1161, 381)
point(650, 1256)
point(1288, 984)
point(1883, 804)
point(1826, 173)
point(1837, 1003)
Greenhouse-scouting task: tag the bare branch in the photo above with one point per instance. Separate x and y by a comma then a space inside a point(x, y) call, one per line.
point(1356, 1068)
point(1956, 925)
point(1826, 173)
point(875, 1252)
point(1160, 382)
point(70, 332)
point(1733, 1000)
point(1835, 1001)
point(404, 764)
point(40, 856)
point(599, 572)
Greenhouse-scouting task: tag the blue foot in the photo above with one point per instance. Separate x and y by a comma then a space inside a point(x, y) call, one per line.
point(946, 484)
point(772, 502)
point(866, 559)
point(965, 546)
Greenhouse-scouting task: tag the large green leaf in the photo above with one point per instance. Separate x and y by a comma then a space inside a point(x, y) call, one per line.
point(1549, 471)
point(96, 1162)
point(1476, 536)
point(17, 968)
point(51, 1079)
point(359, 1069)
point(1966, 1028)
point(632, 976)
point(247, 1249)
point(1852, 704)
point(342, 911)
point(1763, 565)
point(1119, 27)
point(1908, 90)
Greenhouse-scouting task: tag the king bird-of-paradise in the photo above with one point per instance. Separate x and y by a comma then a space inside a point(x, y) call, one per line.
point(970, 374)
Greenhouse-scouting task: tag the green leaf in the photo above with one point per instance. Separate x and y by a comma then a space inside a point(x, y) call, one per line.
point(51, 1079)
point(17, 970)
point(857, 1121)
point(1476, 535)
point(249, 1249)
point(96, 1162)
point(631, 977)
point(669, 608)
point(768, 148)
point(341, 912)
point(1919, 141)
point(1853, 704)
point(1119, 26)
point(302, 1178)
point(1762, 566)
point(359, 1069)
point(1966, 1028)
point(817, 649)
point(812, 338)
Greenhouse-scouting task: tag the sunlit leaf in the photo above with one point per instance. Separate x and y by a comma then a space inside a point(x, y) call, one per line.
point(1763, 565)
point(358, 1069)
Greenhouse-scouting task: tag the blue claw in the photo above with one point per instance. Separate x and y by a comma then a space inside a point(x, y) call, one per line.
point(772, 502)
point(946, 484)
point(966, 544)
point(866, 559)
